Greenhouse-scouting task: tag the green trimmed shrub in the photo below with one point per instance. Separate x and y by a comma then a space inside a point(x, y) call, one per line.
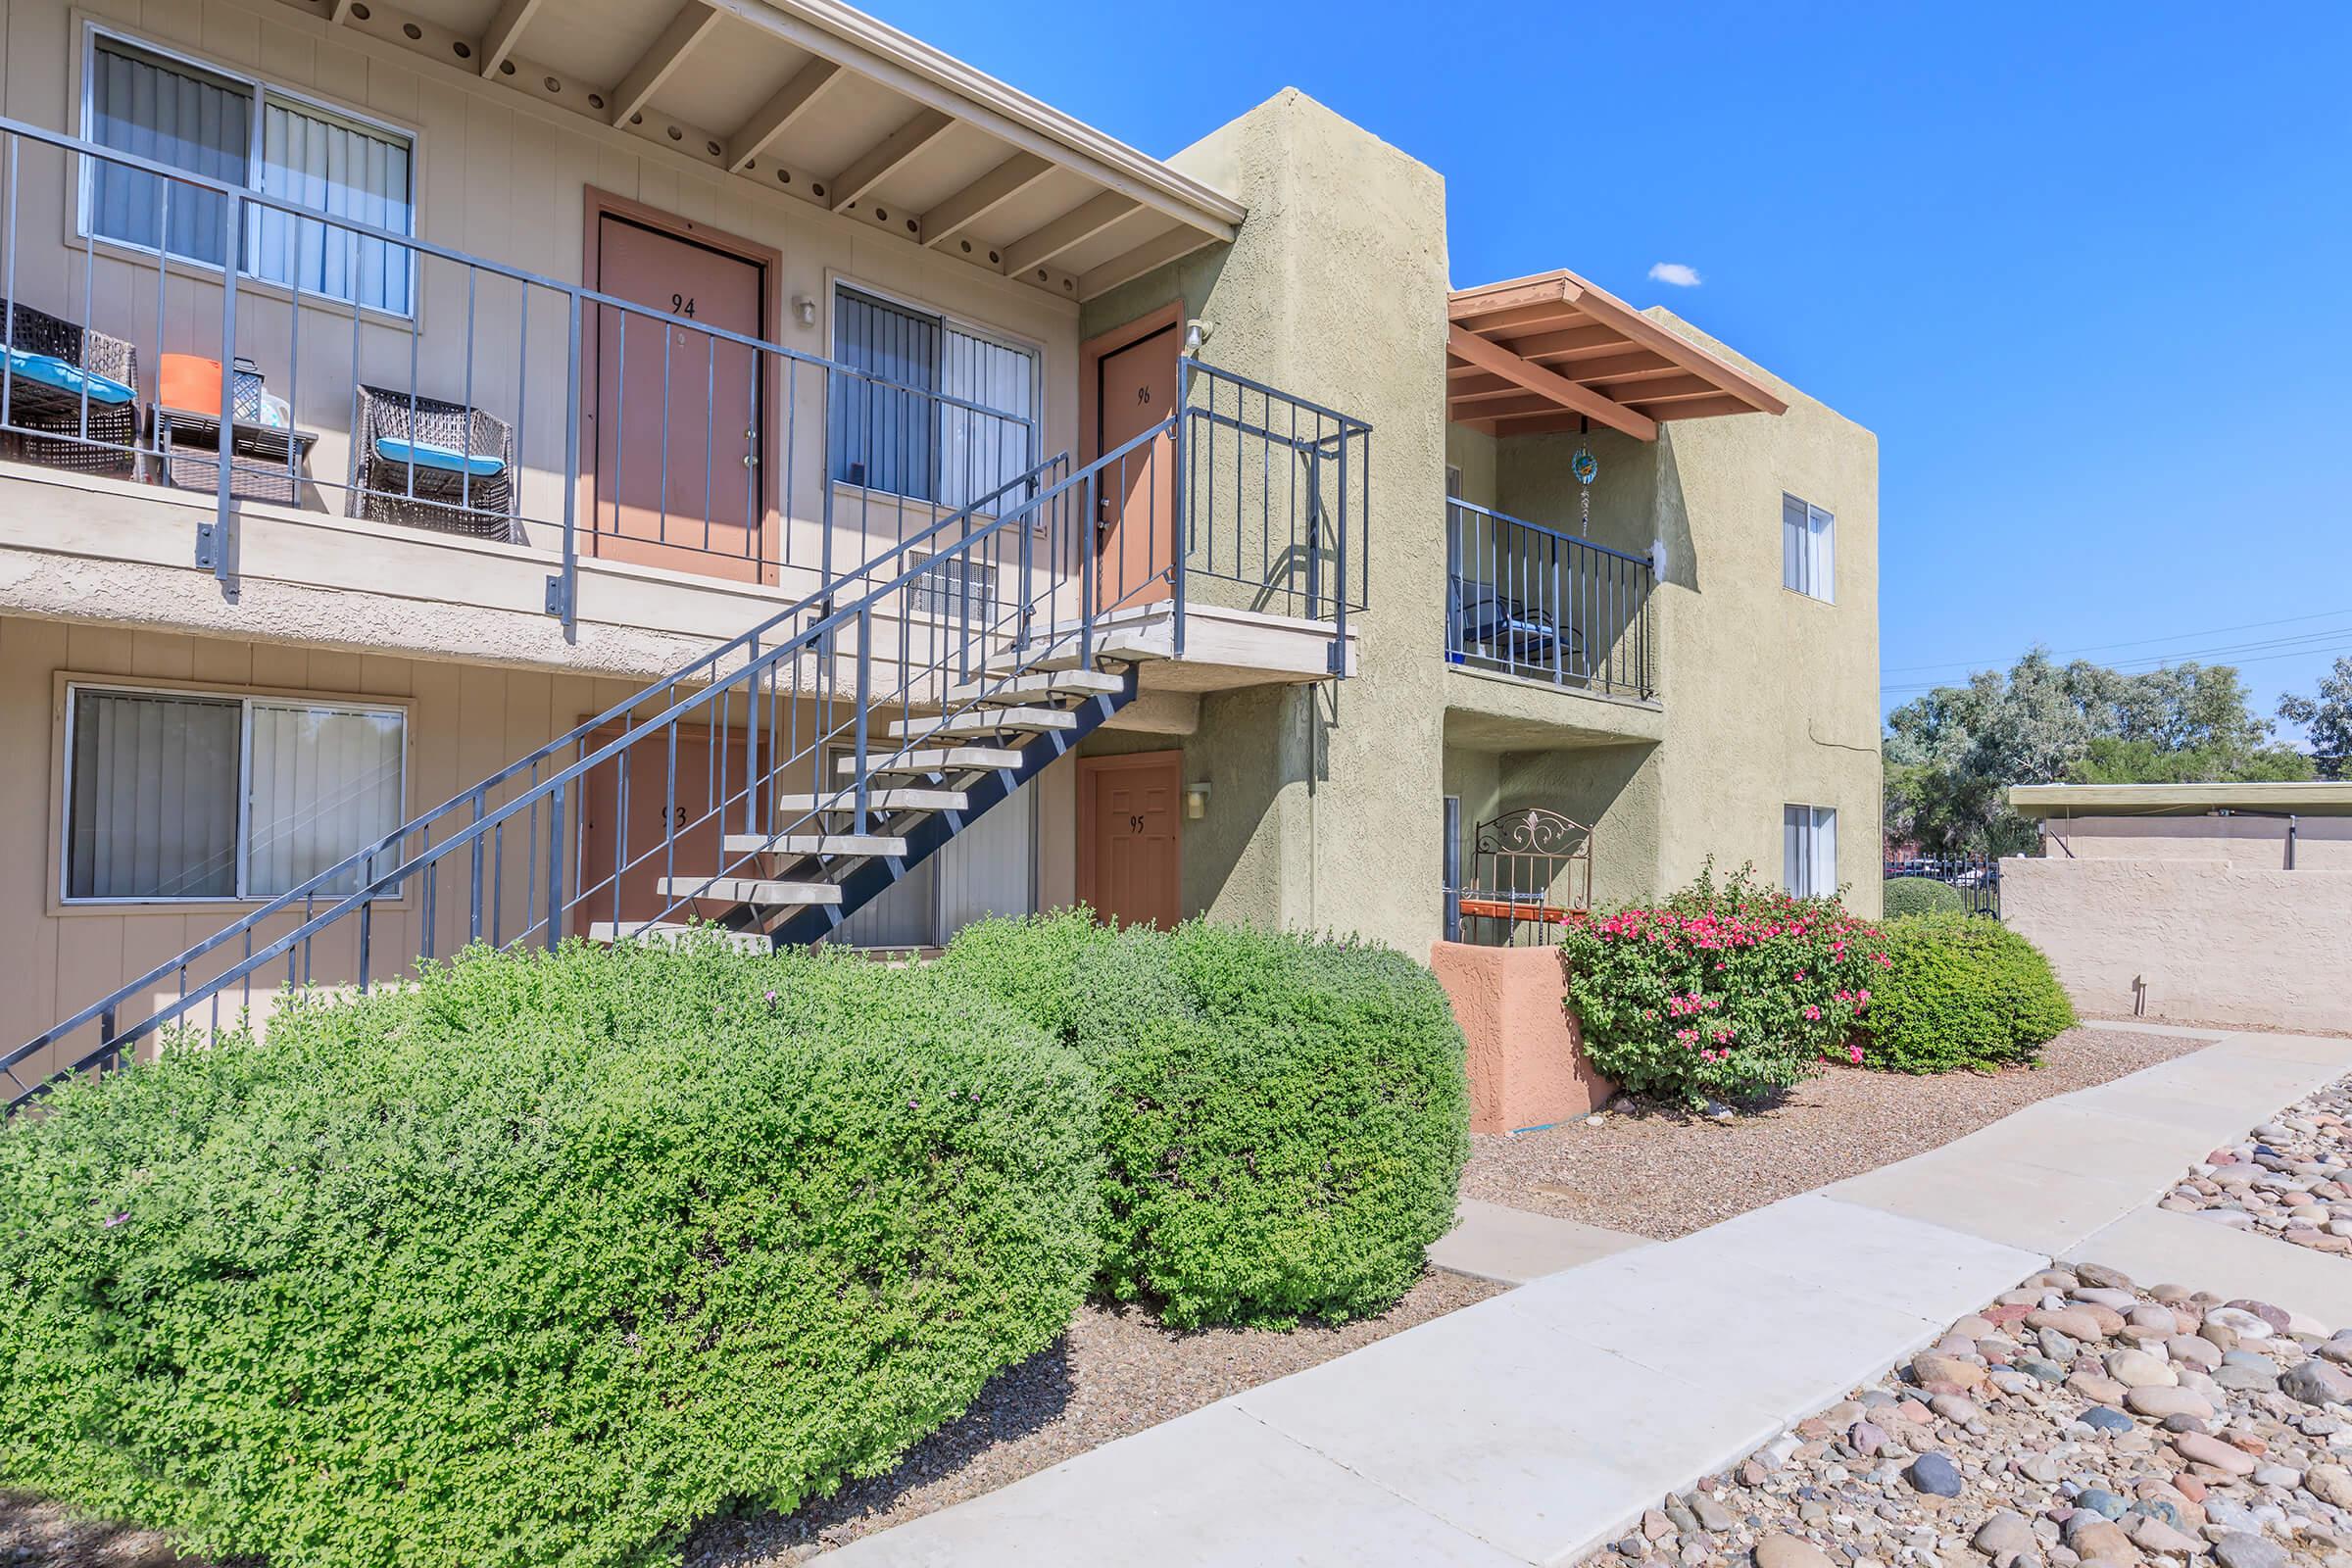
point(1285, 1117)
point(1907, 895)
point(540, 1261)
point(1961, 991)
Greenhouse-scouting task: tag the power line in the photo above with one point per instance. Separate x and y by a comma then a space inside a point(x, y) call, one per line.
point(2136, 642)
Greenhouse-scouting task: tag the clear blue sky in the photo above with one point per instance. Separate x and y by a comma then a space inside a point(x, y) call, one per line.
point(2085, 270)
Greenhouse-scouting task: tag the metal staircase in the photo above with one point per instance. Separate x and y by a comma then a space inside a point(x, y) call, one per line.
point(778, 783)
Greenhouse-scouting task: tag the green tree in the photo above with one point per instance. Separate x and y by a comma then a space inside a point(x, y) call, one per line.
point(2326, 719)
point(1952, 754)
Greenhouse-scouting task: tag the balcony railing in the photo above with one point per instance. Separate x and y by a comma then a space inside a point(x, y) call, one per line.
point(1530, 601)
point(465, 397)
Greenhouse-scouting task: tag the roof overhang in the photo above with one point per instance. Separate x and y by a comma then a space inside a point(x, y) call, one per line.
point(1551, 353)
point(826, 105)
point(2297, 798)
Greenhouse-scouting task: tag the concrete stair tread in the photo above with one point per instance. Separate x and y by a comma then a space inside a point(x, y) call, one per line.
point(984, 722)
point(758, 890)
point(875, 801)
point(813, 845)
point(1014, 689)
point(608, 933)
point(949, 759)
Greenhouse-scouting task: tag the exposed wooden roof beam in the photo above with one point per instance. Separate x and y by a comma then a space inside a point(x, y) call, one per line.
point(1566, 344)
point(1129, 265)
point(504, 33)
point(983, 196)
point(342, 12)
point(1067, 233)
point(1667, 389)
point(692, 24)
point(791, 100)
point(1703, 408)
point(1468, 347)
point(876, 164)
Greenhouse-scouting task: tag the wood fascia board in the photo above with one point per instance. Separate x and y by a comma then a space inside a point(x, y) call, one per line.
point(1468, 347)
point(937, 81)
point(879, 161)
point(692, 24)
point(773, 117)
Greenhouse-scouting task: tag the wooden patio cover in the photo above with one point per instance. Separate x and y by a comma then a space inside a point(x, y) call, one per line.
point(1550, 353)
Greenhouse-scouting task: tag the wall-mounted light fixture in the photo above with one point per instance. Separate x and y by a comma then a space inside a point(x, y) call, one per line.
point(1196, 801)
point(803, 306)
point(1195, 333)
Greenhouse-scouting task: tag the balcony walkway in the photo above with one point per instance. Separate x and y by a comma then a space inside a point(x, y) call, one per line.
point(1537, 1425)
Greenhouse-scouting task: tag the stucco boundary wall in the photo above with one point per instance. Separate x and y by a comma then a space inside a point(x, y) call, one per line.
point(1526, 1057)
point(2210, 939)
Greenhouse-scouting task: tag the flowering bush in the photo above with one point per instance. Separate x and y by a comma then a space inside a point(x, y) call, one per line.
point(1725, 991)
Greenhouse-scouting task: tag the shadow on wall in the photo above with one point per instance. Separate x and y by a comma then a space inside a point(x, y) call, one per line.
point(1672, 516)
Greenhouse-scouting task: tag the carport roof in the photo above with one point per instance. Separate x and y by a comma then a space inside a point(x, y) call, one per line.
point(2307, 799)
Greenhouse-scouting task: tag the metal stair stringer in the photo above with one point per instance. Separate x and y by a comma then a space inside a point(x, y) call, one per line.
point(870, 877)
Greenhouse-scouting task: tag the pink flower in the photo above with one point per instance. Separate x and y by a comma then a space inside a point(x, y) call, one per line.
point(1854, 1054)
point(1884, 962)
point(1862, 997)
point(1800, 974)
point(1811, 1012)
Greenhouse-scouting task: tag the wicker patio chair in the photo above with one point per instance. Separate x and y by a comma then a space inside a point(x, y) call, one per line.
point(450, 469)
point(46, 422)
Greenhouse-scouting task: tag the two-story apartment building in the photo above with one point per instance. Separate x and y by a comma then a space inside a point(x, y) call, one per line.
point(736, 460)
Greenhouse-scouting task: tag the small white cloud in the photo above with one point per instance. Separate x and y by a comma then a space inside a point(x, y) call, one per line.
point(1676, 274)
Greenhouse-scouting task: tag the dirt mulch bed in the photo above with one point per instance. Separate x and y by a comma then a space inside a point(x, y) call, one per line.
point(1665, 1173)
point(1114, 1373)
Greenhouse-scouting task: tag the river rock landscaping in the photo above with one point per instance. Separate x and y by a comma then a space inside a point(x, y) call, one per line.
point(2290, 1178)
point(2081, 1418)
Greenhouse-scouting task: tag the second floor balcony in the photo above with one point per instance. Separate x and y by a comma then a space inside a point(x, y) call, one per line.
point(1535, 603)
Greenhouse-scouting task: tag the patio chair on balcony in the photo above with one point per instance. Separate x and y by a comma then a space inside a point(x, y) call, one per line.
point(1494, 625)
point(428, 464)
point(73, 395)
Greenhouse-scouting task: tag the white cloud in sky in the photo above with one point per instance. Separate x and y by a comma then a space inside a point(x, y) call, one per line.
point(1676, 274)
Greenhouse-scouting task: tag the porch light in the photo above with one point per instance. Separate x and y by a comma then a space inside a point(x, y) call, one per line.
point(1196, 801)
point(803, 306)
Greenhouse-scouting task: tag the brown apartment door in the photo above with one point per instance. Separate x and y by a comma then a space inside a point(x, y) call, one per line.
point(1137, 543)
point(687, 809)
point(1129, 861)
point(677, 441)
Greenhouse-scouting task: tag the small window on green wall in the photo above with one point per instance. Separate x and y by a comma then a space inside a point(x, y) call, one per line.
point(1808, 550)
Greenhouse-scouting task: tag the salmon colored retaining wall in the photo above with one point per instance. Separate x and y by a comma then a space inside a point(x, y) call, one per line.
point(1527, 1062)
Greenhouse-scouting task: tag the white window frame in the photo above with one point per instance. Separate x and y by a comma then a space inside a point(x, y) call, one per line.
point(246, 703)
point(262, 89)
point(1817, 553)
point(1817, 841)
point(836, 281)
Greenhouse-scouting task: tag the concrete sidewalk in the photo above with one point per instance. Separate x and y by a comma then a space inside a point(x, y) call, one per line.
point(1536, 1426)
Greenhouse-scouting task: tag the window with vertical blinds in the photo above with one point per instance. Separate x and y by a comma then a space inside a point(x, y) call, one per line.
point(174, 795)
point(245, 134)
point(909, 430)
point(1809, 851)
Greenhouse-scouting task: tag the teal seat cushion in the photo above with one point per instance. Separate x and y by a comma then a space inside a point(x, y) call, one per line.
point(426, 455)
point(51, 372)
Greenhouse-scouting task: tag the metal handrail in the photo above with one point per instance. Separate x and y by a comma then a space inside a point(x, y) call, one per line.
point(1560, 534)
point(1535, 602)
point(578, 310)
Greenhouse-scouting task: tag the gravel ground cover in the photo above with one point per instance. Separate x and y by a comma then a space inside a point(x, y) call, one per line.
point(1115, 1372)
point(1663, 1173)
point(2079, 1419)
point(2290, 1178)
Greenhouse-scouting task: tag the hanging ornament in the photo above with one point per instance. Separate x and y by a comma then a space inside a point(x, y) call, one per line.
point(1585, 467)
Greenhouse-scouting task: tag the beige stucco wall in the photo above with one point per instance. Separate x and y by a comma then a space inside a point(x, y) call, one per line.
point(501, 176)
point(1325, 799)
point(2322, 843)
point(2213, 940)
point(1770, 698)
